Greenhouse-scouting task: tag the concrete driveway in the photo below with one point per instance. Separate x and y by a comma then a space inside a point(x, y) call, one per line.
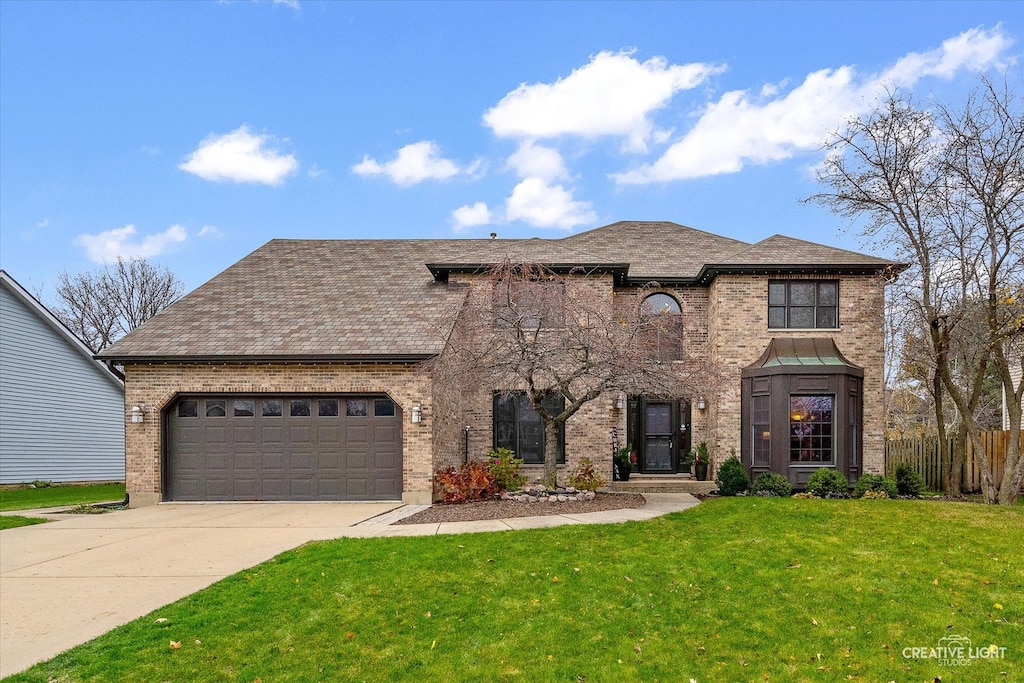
point(68, 581)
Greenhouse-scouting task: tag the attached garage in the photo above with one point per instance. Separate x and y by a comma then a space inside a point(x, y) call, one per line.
point(283, 447)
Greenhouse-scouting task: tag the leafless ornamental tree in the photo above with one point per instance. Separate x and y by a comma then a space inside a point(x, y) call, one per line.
point(945, 191)
point(524, 328)
point(103, 305)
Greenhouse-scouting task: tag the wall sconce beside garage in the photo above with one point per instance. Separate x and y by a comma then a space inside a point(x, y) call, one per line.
point(417, 414)
point(138, 413)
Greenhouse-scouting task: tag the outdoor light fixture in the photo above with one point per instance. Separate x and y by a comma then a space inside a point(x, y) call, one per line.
point(138, 414)
point(702, 404)
point(620, 403)
point(417, 414)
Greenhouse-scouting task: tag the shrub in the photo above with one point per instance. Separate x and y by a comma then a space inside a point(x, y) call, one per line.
point(732, 478)
point(586, 477)
point(874, 482)
point(803, 494)
point(875, 494)
point(505, 468)
point(828, 483)
point(908, 481)
point(771, 484)
point(472, 481)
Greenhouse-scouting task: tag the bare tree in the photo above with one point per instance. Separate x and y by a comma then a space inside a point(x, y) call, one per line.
point(524, 328)
point(103, 305)
point(945, 190)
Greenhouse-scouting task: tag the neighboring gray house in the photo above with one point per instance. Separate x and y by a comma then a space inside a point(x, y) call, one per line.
point(61, 412)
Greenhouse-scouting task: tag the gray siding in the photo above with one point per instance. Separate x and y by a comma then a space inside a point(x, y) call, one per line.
point(61, 417)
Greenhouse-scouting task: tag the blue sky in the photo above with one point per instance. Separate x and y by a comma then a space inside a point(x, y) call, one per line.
point(193, 132)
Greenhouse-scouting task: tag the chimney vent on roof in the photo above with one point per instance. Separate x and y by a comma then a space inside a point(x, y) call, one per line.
point(494, 235)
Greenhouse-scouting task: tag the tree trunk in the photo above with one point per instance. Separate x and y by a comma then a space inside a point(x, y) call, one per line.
point(551, 453)
point(952, 471)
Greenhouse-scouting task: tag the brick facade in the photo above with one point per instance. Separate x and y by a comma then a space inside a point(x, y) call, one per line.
point(727, 319)
point(739, 334)
point(156, 386)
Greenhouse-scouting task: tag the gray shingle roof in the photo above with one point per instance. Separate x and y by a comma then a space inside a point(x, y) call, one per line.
point(372, 299)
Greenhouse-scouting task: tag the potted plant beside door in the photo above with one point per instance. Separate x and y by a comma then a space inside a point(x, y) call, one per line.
point(700, 461)
point(624, 459)
point(686, 461)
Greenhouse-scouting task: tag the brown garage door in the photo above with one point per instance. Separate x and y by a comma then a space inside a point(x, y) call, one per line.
point(257, 447)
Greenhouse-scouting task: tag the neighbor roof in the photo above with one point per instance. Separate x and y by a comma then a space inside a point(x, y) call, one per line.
point(307, 300)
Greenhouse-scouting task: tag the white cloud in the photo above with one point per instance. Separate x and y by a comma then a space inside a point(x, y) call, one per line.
point(547, 206)
point(537, 161)
point(241, 157)
point(315, 171)
point(413, 164)
point(612, 95)
point(743, 128)
point(108, 245)
point(293, 4)
point(211, 231)
point(45, 223)
point(471, 215)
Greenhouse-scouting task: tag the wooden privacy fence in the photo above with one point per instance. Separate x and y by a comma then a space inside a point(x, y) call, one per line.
point(928, 457)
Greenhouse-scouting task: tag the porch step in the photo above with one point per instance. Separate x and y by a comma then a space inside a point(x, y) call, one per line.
point(662, 483)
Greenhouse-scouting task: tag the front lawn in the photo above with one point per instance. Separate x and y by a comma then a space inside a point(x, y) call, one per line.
point(57, 495)
point(739, 589)
point(14, 521)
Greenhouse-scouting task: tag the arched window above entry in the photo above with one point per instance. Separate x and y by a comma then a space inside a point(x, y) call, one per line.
point(660, 303)
point(666, 329)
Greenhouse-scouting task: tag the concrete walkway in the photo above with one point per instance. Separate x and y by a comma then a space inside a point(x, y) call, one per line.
point(71, 580)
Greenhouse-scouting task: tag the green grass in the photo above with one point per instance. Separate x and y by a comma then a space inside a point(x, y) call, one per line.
point(56, 495)
point(14, 521)
point(740, 589)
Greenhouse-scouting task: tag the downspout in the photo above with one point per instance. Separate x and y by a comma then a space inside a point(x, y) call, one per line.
point(465, 449)
point(122, 503)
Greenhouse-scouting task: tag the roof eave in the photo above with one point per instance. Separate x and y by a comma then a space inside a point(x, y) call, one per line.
point(277, 359)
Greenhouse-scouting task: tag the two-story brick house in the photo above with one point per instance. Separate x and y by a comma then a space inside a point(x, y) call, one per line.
point(301, 372)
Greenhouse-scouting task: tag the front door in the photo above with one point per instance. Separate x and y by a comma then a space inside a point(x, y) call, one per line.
point(660, 431)
point(660, 453)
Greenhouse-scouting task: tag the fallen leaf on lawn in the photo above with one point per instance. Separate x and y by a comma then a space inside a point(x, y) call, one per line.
point(551, 658)
point(461, 546)
point(490, 559)
point(793, 566)
point(433, 645)
point(198, 642)
point(935, 582)
point(575, 569)
point(554, 579)
point(637, 648)
point(814, 621)
point(427, 615)
point(161, 620)
point(175, 644)
point(350, 635)
point(728, 588)
point(998, 606)
point(628, 579)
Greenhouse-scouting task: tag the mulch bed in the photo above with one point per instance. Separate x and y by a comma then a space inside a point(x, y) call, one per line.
point(505, 509)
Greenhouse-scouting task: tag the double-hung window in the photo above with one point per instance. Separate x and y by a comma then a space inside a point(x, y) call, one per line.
point(803, 304)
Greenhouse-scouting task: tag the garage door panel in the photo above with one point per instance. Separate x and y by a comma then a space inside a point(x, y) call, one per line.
point(272, 435)
point(335, 450)
point(357, 461)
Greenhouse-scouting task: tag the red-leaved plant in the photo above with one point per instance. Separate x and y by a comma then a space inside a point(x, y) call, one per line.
point(472, 481)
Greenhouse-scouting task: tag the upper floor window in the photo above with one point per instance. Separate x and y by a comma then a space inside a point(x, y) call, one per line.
point(666, 331)
point(803, 304)
point(530, 304)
